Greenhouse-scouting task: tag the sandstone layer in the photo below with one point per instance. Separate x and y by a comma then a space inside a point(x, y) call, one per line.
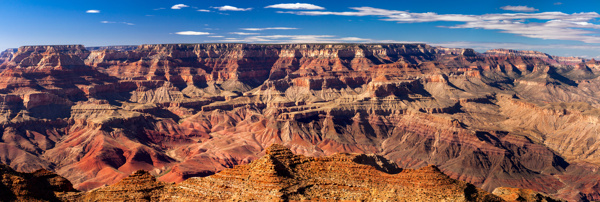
point(502, 119)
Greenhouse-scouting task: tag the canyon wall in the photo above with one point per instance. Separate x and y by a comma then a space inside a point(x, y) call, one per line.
point(178, 111)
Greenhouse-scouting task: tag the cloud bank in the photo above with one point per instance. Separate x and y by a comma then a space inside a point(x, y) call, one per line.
point(553, 25)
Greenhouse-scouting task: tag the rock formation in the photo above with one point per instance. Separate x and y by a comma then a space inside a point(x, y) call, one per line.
point(41, 185)
point(501, 119)
point(280, 176)
point(515, 194)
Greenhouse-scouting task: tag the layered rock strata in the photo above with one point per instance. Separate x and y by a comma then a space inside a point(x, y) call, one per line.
point(189, 110)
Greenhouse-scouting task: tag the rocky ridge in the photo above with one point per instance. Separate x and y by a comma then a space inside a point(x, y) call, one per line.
point(280, 175)
point(41, 185)
point(187, 110)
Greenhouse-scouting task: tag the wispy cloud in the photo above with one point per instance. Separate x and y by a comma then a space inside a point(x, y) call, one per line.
point(519, 8)
point(296, 6)
point(179, 6)
point(558, 3)
point(216, 36)
point(204, 10)
point(231, 8)
point(158, 9)
point(354, 39)
point(192, 33)
point(296, 39)
point(553, 25)
point(268, 28)
point(243, 33)
point(112, 22)
point(92, 11)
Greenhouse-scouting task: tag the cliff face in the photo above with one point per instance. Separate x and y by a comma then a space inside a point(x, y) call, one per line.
point(7, 55)
point(185, 110)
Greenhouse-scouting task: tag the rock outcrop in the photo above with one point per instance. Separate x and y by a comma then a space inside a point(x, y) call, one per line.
point(40, 185)
point(515, 195)
point(280, 176)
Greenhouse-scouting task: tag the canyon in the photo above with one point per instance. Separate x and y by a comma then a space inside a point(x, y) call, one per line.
point(504, 118)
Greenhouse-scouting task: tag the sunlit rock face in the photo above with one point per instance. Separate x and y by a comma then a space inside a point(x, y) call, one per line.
point(500, 119)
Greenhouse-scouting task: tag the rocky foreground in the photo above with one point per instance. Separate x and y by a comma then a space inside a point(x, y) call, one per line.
point(277, 176)
point(502, 118)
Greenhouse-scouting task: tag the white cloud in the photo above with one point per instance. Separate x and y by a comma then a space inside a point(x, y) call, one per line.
point(519, 8)
point(204, 10)
point(268, 28)
point(216, 36)
point(243, 33)
point(553, 25)
point(112, 22)
point(231, 8)
point(354, 39)
point(296, 39)
point(179, 6)
point(192, 33)
point(92, 11)
point(297, 6)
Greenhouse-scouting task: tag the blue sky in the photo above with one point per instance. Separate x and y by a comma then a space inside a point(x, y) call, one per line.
point(560, 27)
